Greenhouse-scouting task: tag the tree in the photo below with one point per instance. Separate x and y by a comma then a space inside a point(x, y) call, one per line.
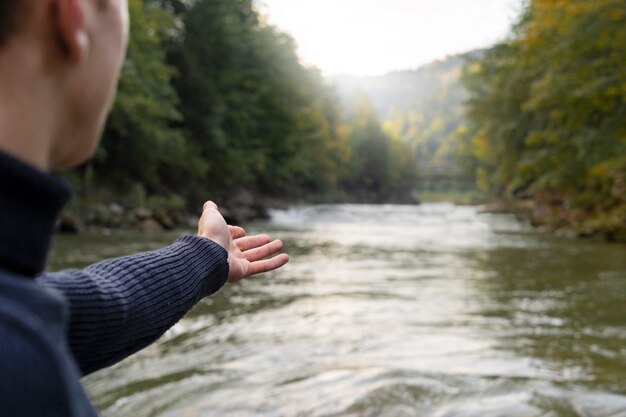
point(547, 112)
point(141, 143)
point(258, 116)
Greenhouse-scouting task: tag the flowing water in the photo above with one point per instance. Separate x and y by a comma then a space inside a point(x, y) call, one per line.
point(431, 310)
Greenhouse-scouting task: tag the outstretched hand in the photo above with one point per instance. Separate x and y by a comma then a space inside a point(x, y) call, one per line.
point(247, 255)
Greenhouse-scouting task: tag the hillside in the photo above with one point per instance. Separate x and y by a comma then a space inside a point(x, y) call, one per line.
point(424, 107)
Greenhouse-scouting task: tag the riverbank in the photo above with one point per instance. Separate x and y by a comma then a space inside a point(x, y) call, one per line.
point(461, 198)
point(556, 216)
point(97, 217)
point(163, 213)
point(102, 213)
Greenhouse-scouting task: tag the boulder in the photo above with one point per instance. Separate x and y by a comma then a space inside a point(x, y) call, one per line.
point(116, 209)
point(164, 220)
point(151, 225)
point(143, 214)
point(70, 223)
point(243, 206)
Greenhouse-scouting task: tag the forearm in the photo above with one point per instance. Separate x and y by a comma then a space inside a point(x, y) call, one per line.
point(121, 305)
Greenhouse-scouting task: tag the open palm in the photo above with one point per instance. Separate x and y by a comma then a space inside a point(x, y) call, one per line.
point(247, 255)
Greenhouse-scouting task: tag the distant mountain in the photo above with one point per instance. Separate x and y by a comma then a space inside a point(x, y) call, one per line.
point(403, 89)
point(422, 106)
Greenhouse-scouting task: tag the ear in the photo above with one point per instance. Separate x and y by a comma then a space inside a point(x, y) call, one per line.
point(69, 25)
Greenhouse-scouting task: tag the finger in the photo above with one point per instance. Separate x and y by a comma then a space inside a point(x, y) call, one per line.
point(267, 265)
point(236, 232)
point(209, 205)
point(264, 251)
point(250, 242)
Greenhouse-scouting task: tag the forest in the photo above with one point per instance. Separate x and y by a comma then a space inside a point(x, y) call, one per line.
point(425, 108)
point(538, 121)
point(546, 117)
point(214, 103)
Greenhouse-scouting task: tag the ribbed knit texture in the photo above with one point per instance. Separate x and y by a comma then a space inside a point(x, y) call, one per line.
point(30, 202)
point(122, 305)
point(62, 324)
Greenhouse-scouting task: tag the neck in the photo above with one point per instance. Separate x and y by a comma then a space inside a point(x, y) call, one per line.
point(27, 109)
point(23, 143)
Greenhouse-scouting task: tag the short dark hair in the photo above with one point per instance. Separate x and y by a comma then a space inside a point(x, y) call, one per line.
point(8, 10)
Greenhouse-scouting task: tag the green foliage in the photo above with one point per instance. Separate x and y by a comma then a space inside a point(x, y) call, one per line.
point(140, 143)
point(380, 168)
point(258, 117)
point(547, 110)
point(212, 99)
point(422, 109)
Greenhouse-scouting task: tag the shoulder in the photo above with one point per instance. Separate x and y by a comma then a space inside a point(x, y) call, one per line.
point(32, 381)
point(39, 376)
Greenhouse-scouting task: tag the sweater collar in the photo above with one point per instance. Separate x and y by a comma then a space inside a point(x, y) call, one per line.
point(30, 203)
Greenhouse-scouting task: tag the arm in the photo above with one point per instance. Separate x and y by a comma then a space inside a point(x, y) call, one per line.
point(120, 306)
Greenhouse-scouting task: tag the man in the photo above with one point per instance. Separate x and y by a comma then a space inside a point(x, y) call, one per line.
point(59, 64)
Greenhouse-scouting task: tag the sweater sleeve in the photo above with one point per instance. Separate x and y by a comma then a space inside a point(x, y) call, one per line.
point(122, 305)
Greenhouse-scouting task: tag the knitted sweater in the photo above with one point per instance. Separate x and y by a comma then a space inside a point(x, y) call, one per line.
point(56, 327)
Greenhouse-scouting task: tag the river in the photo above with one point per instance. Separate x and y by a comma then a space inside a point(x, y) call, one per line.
point(432, 310)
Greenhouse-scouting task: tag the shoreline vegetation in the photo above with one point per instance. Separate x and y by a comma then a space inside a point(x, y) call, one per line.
point(553, 216)
point(546, 130)
point(214, 98)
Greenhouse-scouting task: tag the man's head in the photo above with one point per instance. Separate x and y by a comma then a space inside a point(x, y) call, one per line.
point(60, 59)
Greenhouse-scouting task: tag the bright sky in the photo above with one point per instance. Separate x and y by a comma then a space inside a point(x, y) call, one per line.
point(371, 37)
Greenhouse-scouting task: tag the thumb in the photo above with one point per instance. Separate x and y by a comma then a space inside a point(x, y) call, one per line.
point(209, 205)
point(213, 226)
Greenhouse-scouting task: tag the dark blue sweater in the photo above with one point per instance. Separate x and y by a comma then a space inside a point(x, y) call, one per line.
point(56, 327)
